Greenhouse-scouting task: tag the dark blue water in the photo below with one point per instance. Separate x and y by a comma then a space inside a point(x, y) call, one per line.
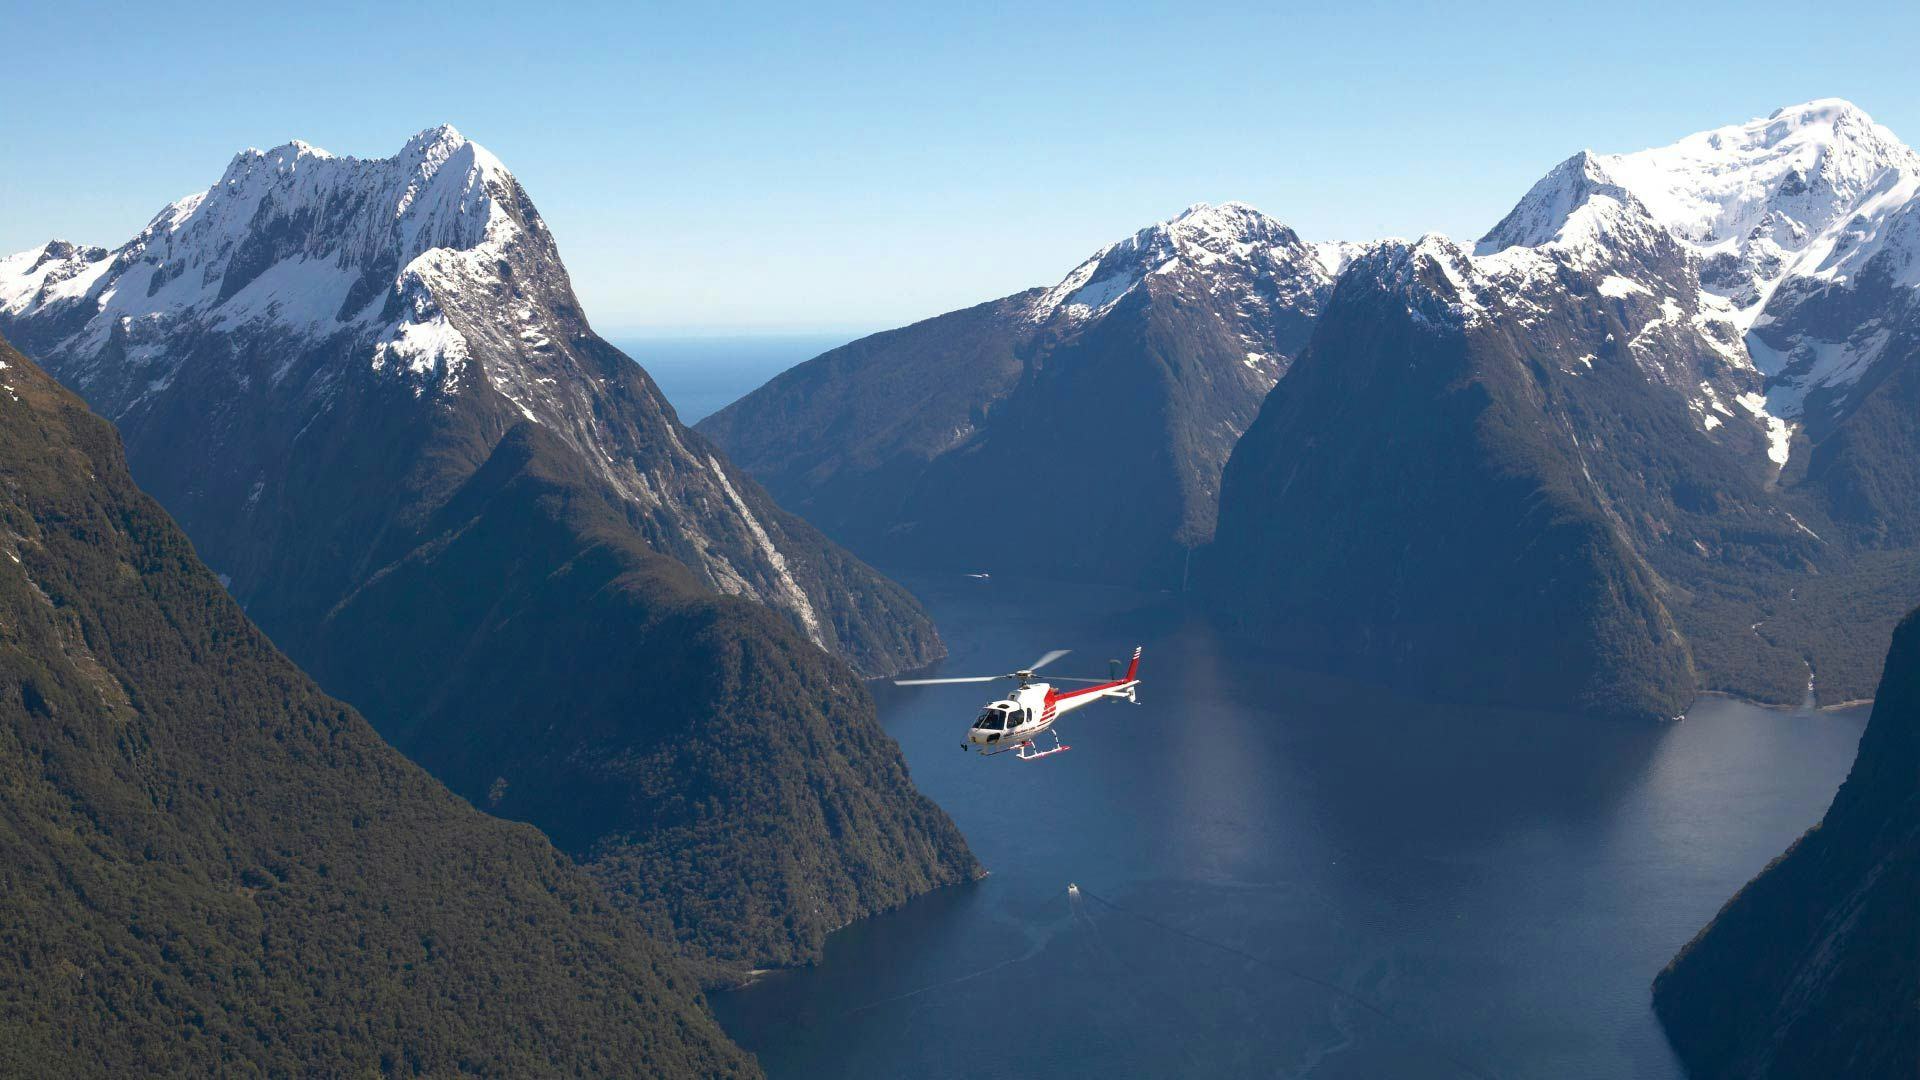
point(1286, 876)
point(700, 375)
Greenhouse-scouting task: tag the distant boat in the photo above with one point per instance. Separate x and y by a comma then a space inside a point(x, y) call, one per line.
point(981, 577)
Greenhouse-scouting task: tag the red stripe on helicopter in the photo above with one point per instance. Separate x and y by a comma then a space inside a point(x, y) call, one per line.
point(1059, 695)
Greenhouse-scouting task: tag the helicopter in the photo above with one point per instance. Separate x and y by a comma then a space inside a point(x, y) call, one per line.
point(1013, 722)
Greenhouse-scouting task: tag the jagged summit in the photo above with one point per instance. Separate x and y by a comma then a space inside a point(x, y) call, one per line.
point(1229, 238)
point(439, 136)
point(1592, 356)
point(1757, 234)
point(438, 142)
point(1146, 362)
point(284, 154)
point(1550, 208)
point(1769, 198)
point(1791, 194)
point(1433, 276)
point(304, 241)
point(1232, 220)
point(366, 391)
point(319, 279)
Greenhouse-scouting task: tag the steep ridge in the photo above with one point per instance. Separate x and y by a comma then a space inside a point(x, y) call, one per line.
point(1620, 332)
point(1806, 228)
point(726, 781)
point(310, 320)
point(1075, 432)
point(207, 865)
point(366, 390)
point(1410, 506)
point(1813, 969)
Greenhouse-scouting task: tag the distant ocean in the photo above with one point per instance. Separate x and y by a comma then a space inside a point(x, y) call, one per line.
point(701, 375)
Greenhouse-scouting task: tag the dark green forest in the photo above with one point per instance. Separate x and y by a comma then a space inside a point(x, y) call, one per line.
point(1813, 969)
point(728, 782)
point(207, 866)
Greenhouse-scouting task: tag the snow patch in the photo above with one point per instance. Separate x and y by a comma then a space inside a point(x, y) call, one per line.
point(794, 596)
point(1779, 433)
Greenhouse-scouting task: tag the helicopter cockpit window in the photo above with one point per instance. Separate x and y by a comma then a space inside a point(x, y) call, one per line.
point(990, 720)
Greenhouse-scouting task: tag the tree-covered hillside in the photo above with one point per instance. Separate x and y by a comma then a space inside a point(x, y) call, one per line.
point(1813, 969)
point(728, 781)
point(207, 866)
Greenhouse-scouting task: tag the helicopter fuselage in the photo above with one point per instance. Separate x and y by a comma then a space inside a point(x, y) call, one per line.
point(1033, 709)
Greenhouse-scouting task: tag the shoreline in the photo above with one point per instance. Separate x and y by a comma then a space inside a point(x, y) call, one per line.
point(1774, 707)
point(749, 977)
point(746, 979)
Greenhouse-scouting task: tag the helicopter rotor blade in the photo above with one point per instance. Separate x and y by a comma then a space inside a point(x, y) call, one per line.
point(942, 682)
point(1069, 678)
point(1047, 659)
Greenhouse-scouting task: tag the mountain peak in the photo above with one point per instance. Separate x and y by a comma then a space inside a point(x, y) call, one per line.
point(282, 159)
point(1825, 112)
point(1232, 221)
point(1768, 199)
point(312, 243)
point(1542, 215)
point(1229, 237)
point(1810, 162)
point(1434, 277)
point(1218, 215)
point(444, 137)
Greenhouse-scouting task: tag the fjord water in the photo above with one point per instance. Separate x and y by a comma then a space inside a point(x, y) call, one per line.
point(1285, 876)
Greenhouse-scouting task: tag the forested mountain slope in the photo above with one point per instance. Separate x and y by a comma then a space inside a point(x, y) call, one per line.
point(209, 866)
point(1813, 969)
point(366, 389)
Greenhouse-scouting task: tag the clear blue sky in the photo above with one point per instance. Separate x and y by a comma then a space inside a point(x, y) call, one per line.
point(758, 168)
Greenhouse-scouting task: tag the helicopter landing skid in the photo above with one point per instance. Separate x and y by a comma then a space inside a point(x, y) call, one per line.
point(1026, 752)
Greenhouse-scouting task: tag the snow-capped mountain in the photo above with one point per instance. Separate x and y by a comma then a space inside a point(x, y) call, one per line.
point(1686, 376)
point(1804, 228)
point(302, 286)
point(1140, 368)
point(366, 391)
point(300, 241)
point(1245, 264)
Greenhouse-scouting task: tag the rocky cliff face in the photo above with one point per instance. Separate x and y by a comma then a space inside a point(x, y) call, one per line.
point(316, 349)
point(206, 864)
point(1813, 969)
point(1804, 227)
point(1604, 347)
point(368, 394)
point(1074, 432)
point(1414, 506)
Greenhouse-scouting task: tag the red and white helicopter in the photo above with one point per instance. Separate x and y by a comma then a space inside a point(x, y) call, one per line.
point(1013, 722)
